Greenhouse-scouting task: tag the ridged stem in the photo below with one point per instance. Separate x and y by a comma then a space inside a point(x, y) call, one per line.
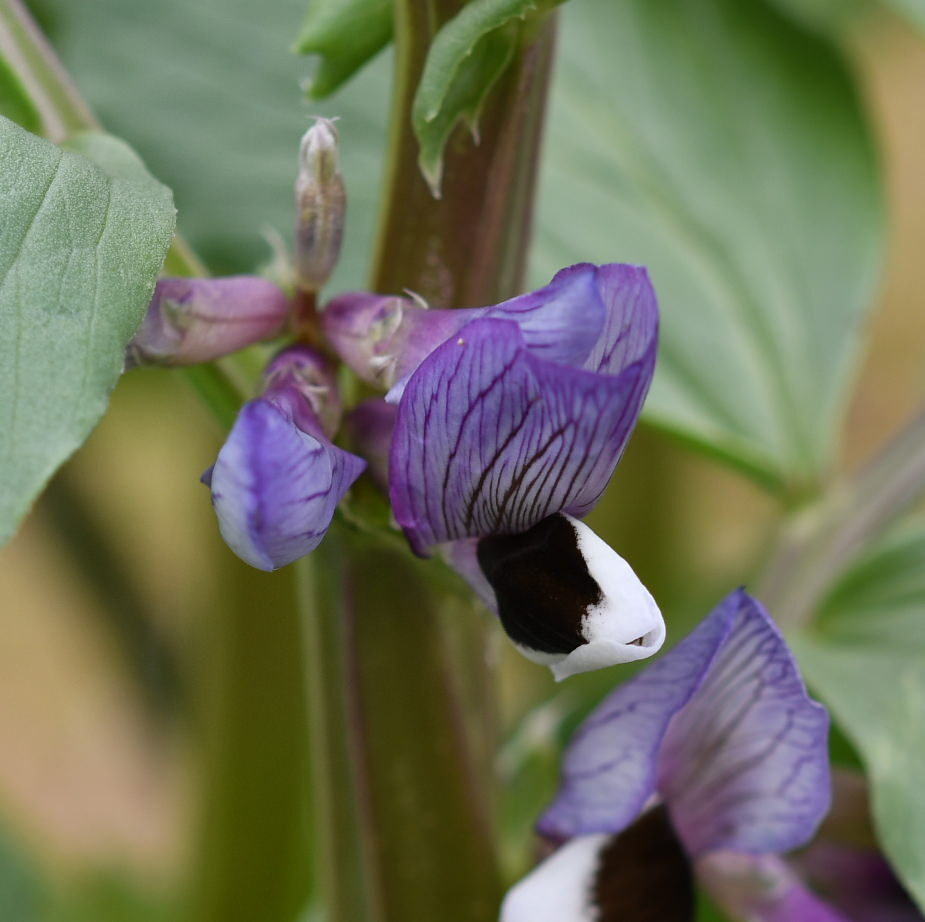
point(401, 708)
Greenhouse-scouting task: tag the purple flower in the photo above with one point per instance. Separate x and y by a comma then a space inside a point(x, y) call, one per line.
point(197, 320)
point(715, 750)
point(278, 478)
point(510, 422)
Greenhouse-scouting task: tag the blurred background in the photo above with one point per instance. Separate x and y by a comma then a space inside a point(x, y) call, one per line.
point(152, 745)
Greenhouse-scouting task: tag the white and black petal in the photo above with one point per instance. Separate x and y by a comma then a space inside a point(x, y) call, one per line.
point(639, 875)
point(567, 599)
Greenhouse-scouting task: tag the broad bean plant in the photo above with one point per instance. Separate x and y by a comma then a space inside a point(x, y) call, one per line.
point(433, 268)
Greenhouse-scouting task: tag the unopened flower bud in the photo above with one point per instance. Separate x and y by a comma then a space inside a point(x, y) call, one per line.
point(320, 205)
point(278, 478)
point(197, 320)
point(301, 381)
point(361, 328)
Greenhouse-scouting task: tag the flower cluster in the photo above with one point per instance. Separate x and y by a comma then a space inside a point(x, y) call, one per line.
point(498, 431)
point(713, 755)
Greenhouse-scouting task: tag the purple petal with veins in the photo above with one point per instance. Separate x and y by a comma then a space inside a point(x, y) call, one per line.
point(601, 318)
point(275, 487)
point(745, 765)
point(490, 439)
point(610, 767)
point(721, 729)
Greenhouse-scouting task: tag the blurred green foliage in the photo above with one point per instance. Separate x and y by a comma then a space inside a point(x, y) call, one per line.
point(725, 149)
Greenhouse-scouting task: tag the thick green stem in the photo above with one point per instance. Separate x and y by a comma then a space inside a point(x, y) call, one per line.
point(820, 545)
point(403, 813)
point(401, 705)
point(469, 247)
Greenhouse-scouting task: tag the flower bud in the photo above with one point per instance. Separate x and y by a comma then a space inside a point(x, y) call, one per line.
point(320, 206)
point(197, 320)
point(278, 478)
point(383, 338)
point(361, 328)
point(301, 381)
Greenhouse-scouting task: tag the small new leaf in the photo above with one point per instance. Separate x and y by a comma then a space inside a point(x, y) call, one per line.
point(80, 250)
point(466, 58)
point(345, 34)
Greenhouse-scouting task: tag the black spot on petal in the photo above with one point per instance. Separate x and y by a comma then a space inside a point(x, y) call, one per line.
point(645, 875)
point(541, 583)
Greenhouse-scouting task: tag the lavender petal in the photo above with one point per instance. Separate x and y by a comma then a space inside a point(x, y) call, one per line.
point(610, 767)
point(600, 318)
point(491, 439)
point(275, 487)
point(745, 765)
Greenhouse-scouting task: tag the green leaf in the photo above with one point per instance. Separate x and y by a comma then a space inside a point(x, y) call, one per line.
point(466, 57)
point(866, 660)
point(80, 249)
point(210, 96)
point(724, 148)
point(346, 34)
point(15, 103)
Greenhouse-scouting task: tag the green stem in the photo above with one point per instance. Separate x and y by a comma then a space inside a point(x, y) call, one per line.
point(26, 50)
point(469, 247)
point(64, 112)
point(402, 715)
point(821, 544)
point(403, 817)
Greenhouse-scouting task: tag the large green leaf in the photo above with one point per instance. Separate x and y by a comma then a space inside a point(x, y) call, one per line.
point(467, 56)
point(210, 95)
point(866, 659)
point(725, 148)
point(80, 250)
point(345, 34)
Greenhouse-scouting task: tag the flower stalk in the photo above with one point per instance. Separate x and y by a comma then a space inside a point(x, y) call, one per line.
point(820, 545)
